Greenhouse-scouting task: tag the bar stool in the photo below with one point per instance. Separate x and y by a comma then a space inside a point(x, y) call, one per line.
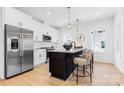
point(82, 63)
point(84, 55)
point(92, 58)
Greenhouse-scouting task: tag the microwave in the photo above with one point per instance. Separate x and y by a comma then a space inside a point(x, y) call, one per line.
point(47, 38)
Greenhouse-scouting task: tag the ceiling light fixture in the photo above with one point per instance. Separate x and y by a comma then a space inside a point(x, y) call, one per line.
point(98, 13)
point(48, 13)
point(69, 25)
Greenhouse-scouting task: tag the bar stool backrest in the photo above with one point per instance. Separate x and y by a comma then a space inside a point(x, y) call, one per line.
point(87, 55)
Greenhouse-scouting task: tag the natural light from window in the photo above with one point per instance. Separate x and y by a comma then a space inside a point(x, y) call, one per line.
point(98, 40)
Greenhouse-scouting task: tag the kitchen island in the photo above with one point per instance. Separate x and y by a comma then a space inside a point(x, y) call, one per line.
point(61, 62)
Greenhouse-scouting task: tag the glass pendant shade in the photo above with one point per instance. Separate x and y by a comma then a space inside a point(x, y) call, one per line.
point(69, 26)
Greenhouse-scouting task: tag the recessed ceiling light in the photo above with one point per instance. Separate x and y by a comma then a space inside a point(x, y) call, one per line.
point(48, 13)
point(98, 13)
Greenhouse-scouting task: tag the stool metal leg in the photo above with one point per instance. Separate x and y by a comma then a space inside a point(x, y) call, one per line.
point(90, 72)
point(92, 61)
point(92, 66)
point(84, 70)
point(77, 73)
point(73, 70)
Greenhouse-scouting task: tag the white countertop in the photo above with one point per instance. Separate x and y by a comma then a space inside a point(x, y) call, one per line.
point(64, 51)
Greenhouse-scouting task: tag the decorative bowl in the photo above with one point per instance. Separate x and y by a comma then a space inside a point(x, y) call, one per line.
point(67, 47)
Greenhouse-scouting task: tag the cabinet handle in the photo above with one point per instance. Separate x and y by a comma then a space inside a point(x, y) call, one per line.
point(40, 55)
point(36, 38)
point(19, 23)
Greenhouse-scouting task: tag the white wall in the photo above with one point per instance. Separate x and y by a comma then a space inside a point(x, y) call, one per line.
point(1, 44)
point(119, 39)
point(86, 28)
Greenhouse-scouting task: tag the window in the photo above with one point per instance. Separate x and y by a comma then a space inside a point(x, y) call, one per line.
point(68, 36)
point(98, 40)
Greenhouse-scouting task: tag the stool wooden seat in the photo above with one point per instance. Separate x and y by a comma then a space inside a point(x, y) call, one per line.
point(80, 61)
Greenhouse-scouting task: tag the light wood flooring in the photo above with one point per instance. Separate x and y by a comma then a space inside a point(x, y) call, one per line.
point(104, 75)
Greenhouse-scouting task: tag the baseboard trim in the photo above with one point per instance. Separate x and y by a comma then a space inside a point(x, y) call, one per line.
point(36, 65)
point(119, 68)
point(103, 62)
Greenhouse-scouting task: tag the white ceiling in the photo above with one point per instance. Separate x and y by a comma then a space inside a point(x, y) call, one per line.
point(59, 15)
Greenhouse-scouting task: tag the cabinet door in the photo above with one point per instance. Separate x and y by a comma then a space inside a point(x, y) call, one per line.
point(40, 56)
point(37, 28)
point(43, 55)
point(54, 35)
point(46, 30)
point(26, 21)
point(36, 57)
point(12, 17)
point(17, 18)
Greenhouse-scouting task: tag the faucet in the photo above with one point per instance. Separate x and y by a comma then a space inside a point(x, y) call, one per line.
point(74, 44)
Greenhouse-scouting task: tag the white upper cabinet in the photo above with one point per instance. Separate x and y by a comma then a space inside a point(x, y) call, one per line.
point(45, 29)
point(17, 18)
point(51, 32)
point(12, 17)
point(54, 34)
point(27, 21)
point(37, 27)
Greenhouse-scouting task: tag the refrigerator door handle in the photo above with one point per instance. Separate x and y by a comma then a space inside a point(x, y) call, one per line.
point(22, 44)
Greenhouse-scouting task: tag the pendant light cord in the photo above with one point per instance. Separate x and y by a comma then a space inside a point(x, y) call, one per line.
point(68, 15)
point(77, 24)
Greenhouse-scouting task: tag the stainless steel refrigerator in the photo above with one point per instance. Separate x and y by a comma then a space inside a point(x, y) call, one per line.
point(18, 50)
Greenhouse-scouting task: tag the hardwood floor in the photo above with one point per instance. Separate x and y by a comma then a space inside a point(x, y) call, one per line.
point(104, 75)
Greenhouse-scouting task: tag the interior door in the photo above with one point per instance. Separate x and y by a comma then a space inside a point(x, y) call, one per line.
point(27, 50)
point(13, 53)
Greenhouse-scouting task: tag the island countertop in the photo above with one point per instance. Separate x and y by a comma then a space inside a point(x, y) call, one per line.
point(69, 51)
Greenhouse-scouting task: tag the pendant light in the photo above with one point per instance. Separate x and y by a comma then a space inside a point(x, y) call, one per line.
point(80, 37)
point(69, 25)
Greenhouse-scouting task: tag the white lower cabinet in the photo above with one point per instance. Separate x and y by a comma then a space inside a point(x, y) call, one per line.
point(39, 56)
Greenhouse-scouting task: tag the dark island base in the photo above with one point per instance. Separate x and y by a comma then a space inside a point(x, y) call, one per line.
point(61, 64)
point(62, 76)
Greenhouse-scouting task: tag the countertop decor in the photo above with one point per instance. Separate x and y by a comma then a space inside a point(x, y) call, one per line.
point(67, 47)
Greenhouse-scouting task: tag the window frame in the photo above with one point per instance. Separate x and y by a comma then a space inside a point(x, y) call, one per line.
point(93, 41)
